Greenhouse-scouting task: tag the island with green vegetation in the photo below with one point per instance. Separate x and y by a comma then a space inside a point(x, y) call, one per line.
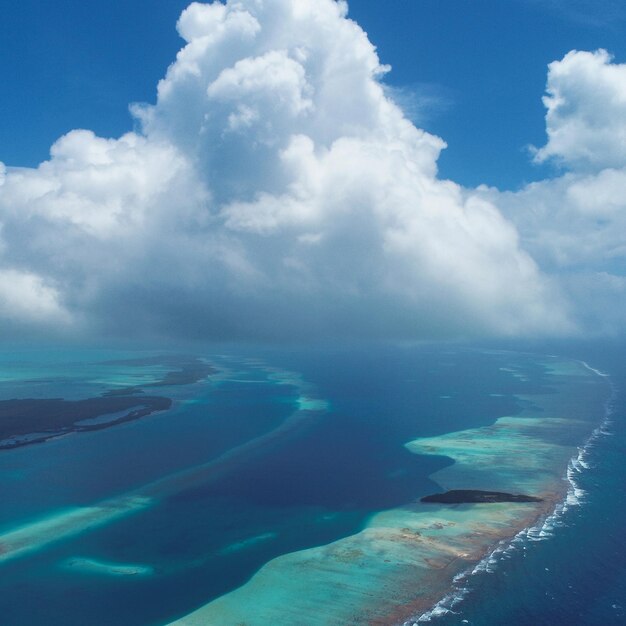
point(36, 420)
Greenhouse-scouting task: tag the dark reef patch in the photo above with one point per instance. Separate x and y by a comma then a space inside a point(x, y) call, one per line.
point(476, 496)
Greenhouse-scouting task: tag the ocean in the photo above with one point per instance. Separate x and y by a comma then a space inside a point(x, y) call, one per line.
point(574, 571)
point(285, 487)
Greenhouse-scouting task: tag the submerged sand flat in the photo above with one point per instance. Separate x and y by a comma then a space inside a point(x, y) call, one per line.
point(406, 558)
point(34, 535)
point(106, 568)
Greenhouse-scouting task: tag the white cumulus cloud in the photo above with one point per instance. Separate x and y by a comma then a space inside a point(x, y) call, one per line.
point(573, 225)
point(25, 297)
point(275, 190)
point(586, 118)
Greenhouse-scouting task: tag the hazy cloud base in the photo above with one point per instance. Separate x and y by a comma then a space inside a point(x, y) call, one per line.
point(276, 191)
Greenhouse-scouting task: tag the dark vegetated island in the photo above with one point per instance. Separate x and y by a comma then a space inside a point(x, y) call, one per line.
point(476, 496)
point(27, 421)
point(188, 370)
point(31, 421)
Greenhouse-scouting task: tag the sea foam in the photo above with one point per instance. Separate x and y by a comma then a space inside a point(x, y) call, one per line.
point(543, 530)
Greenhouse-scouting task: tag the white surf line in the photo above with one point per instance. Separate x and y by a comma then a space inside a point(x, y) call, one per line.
point(594, 370)
point(33, 536)
point(541, 531)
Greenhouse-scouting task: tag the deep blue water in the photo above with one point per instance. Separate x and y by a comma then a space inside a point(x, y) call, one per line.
point(317, 483)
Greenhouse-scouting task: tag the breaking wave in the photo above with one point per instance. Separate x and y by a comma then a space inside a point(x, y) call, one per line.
point(541, 531)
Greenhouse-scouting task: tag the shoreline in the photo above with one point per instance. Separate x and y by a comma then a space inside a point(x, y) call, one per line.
point(403, 565)
point(64, 417)
point(425, 608)
point(552, 508)
point(30, 421)
point(409, 563)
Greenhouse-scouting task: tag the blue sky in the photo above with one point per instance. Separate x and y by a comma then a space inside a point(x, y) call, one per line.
point(479, 66)
point(279, 185)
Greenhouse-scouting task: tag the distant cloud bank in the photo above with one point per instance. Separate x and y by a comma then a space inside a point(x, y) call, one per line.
point(275, 191)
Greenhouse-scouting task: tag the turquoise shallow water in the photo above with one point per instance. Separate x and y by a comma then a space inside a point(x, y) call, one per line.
point(572, 570)
point(272, 456)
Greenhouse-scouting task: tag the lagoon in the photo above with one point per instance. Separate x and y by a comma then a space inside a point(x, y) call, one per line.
point(285, 486)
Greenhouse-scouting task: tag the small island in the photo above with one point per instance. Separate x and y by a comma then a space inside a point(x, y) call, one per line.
point(476, 496)
point(29, 421)
point(188, 370)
